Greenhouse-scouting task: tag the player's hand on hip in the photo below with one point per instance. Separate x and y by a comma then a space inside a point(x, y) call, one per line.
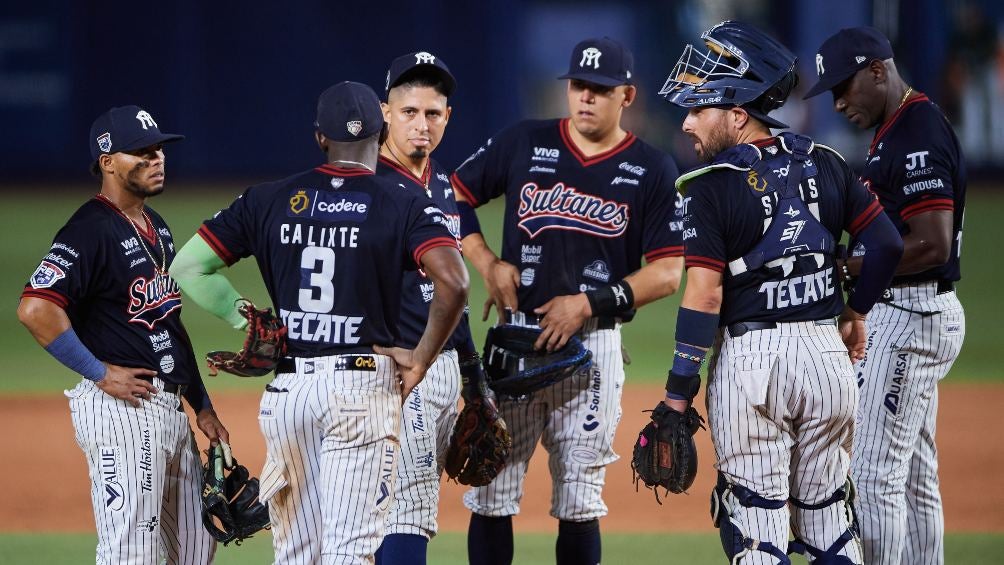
point(124, 383)
point(410, 369)
point(501, 283)
point(211, 426)
point(562, 317)
point(852, 331)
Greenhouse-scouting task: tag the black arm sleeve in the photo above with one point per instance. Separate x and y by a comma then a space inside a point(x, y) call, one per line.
point(884, 248)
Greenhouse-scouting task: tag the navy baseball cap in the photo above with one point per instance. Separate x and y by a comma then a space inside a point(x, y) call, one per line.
point(349, 111)
point(126, 128)
point(601, 61)
point(421, 62)
point(845, 53)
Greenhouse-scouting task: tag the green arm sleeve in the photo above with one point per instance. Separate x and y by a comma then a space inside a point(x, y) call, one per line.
point(195, 270)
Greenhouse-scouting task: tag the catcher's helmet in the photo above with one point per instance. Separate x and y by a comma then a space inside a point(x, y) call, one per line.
point(742, 66)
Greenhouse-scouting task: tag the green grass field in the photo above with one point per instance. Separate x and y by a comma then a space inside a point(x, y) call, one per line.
point(450, 548)
point(30, 219)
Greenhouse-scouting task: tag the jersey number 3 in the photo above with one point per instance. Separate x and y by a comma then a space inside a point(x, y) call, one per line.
point(317, 269)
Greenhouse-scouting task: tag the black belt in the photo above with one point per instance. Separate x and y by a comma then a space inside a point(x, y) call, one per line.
point(172, 388)
point(602, 322)
point(347, 362)
point(945, 286)
point(739, 328)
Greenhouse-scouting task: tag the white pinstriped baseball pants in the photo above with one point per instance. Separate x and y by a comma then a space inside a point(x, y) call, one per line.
point(895, 459)
point(575, 421)
point(781, 405)
point(426, 424)
point(331, 436)
point(146, 478)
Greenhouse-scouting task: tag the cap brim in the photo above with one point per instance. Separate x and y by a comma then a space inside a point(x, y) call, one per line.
point(828, 82)
point(148, 140)
point(601, 80)
point(449, 83)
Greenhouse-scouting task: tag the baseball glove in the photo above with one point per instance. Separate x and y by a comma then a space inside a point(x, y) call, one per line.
point(480, 444)
point(230, 507)
point(515, 368)
point(665, 454)
point(264, 345)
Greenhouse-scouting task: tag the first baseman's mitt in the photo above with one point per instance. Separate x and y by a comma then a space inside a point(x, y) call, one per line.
point(515, 368)
point(230, 507)
point(665, 454)
point(480, 444)
point(264, 345)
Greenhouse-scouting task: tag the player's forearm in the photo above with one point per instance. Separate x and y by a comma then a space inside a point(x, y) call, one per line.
point(445, 310)
point(45, 320)
point(656, 280)
point(476, 250)
point(195, 270)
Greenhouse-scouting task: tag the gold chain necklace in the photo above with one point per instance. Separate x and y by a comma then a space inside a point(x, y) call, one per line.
point(906, 95)
point(162, 269)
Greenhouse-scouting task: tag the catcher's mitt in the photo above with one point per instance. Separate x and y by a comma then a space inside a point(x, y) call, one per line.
point(230, 507)
point(665, 454)
point(515, 368)
point(264, 346)
point(480, 444)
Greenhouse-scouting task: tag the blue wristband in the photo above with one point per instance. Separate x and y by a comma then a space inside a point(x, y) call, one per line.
point(68, 350)
point(687, 359)
point(696, 328)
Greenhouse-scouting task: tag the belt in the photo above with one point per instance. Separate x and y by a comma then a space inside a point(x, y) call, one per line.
point(347, 362)
point(602, 322)
point(739, 328)
point(945, 286)
point(171, 388)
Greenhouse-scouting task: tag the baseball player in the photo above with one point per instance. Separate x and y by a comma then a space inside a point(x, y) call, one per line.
point(916, 168)
point(332, 244)
point(102, 303)
point(585, 202)
point(761, 224)
point(416, 111)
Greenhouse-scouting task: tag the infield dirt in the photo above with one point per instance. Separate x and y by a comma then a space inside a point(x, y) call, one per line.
point(47, 487)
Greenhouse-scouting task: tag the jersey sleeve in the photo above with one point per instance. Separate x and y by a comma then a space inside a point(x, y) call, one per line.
point(426, 228)
point(663, 231)
point(65, 274)
point(483, 176)
point(862, 206)
point(228, 233)
point(922, 179)
point(703, 240)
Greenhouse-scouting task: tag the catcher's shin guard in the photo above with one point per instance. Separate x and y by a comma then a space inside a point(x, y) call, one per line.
point(735, 540)
point(830, 556)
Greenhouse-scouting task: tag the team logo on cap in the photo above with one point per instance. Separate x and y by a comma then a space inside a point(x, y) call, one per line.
point(105, 142)
point(424, 58)
point(819, 65)
point(145, 119)
point(354, 127)
point(860, 59)
point(590, 56)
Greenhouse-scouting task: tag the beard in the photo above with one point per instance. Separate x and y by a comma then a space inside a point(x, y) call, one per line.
point(718, 140)
point(139, 186)
point(418, 153)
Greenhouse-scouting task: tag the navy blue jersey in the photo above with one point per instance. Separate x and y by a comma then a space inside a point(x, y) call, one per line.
point(417, 291)
point(915, 165)
point(727, 212)
point(331, 245)
point(109, 278)
point(574, 223)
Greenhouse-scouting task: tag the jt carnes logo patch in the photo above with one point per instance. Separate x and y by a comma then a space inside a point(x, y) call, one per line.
point(151, 300)
point(565, 208)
